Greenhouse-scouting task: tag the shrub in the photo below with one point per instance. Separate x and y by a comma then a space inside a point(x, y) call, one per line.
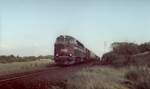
point(116, 60)
point(144, 47)
point(139, 77)
point(125, 48)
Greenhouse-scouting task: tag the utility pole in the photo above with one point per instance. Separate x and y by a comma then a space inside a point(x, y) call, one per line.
point(105, 45)
point(0, 30)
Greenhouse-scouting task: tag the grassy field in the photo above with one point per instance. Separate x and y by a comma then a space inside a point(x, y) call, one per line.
point(97, 78)
point(19, 67)
point(109, 78)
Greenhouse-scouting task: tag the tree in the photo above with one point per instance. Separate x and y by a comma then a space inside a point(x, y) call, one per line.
point(144, 47)
point(125, 48)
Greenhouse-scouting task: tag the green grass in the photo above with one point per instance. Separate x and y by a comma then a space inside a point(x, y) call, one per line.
point(97, 78)
point(132, 77)
point(19, 67)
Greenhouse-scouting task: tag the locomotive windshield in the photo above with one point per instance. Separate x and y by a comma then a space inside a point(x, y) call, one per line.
point(60, 39)
point(65, 39)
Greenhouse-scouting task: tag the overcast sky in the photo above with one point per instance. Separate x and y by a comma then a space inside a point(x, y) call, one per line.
point(30, 27)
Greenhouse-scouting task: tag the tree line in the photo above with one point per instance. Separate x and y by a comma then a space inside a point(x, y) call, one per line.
point(12, 58)
point(127, 48)
point(125, 53)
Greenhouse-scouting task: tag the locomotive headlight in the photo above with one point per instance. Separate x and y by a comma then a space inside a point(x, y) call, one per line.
point(57, 54)
point(70, 54)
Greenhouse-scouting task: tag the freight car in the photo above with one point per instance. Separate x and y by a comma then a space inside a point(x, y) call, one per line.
point(68, 51)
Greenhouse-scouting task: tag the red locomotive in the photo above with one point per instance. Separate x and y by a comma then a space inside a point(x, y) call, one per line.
point(68, 51)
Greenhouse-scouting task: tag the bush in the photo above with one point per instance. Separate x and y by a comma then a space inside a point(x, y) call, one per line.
point(107, 58)
point(125, 48)
point(144, 47)
point(139, 77)
point(125, 53)
point(115, 59)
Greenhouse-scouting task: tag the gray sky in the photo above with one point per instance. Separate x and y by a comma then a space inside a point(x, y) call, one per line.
point(30, 27)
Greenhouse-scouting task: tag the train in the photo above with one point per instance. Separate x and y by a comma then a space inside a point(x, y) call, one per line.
point(69, 51)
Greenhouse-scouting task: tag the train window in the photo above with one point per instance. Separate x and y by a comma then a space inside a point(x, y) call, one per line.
point(72, 41)
point(60, 39)
point(80, 44)
point(69, 40)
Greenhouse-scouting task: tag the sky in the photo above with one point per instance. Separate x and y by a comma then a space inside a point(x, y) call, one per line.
point(30, 27)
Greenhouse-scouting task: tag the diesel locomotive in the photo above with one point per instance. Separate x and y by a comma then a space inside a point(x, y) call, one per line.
point(68, 51)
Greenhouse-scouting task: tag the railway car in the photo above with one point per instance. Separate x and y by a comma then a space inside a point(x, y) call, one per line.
point(68, 51)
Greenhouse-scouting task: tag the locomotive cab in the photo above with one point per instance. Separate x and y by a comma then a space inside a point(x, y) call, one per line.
point(68, 51)
point(64, 53)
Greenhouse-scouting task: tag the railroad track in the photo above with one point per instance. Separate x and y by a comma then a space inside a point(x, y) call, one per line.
point(26, 75)
point(54, 74)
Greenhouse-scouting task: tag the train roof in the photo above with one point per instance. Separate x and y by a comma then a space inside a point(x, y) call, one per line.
point(70, 38)
point(66, 36)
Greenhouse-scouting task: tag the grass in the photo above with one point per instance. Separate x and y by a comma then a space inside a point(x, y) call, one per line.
point(132, 77)
point(19, 67)
point(139, 77)
point(97, 78)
